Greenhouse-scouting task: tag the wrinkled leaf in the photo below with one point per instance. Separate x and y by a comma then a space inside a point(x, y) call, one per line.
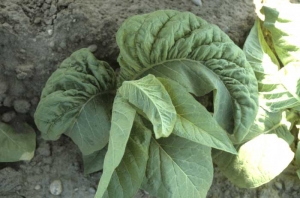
point(148, 42)
point(178, 168)
point(128, 176)
point(94, 162)
point(194, 122)
point(16, 145)
point(76, 101)
point(258, 161)
point(150, 97)
point(122, 120)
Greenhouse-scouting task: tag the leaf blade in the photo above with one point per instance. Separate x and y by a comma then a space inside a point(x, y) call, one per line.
point(171, 174)
point(16, 146)
point(194, 122)
point(150, 96)
point(122, 120)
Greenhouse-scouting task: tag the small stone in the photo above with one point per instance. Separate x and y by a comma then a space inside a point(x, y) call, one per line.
point(50, 32)
point(63, 45)
point(56, 187)
point(48, 21)
point(45, 6)
point(8, 101)
point(92, 48)
point(37, 187)
point(75, 189)
point(52, 44)
point(48, 1)
point(197, 2)
point(278, 185)
point(21, 106)
point(52, 10)
point(8, 116)
point(37, 20)
point(92, 190)
point(3, 87)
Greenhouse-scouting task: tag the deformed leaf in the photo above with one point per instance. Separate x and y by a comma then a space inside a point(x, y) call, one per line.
point(149, 96)
point(194, 122)
point(128, 176)
point(123, 115)
point(179, 168)
point(258, 161)
point(77, 101)
point(16, 145)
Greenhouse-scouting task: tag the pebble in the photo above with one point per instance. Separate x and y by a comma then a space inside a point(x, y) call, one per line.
point(37, 20)
point(92, 48)
point(37, 187)
point(56, 187)
point(21, 106)
point(3, 87)
point(197, 2)
point(8, 116)
point(48, 1)
point(52, 10)
point(50, 32)
point(48, 21)
point(278, 185)
point(92, 190)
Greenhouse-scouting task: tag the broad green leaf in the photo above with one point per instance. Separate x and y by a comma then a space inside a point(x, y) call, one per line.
point(194, 122)
point(283, 24)
point(123, 115)
point(175, 40)
point(77, 101)
point(94, 162)
point(150, 96)
point(179, 168)
point(258, 161)
point(128, 176)
point(16, 145)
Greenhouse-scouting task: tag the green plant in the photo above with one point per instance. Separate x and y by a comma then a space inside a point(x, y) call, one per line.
point(159, 135)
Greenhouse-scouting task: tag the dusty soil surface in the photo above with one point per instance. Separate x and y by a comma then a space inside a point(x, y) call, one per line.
point(36, 35)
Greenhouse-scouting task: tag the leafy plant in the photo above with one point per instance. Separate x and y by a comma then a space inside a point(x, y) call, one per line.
point(145, 125)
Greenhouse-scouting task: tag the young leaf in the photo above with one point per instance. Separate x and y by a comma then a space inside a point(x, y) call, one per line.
point(258, 53)
point(128, 176)
point(258, 161)
point(281, 22)
point(16, 145)
point(149, 41)
point(274, 94)
point(122, 119)
point(77, 101)
point(150, 96)
point(194, 122)
point(94, 162)
point(178, 167)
